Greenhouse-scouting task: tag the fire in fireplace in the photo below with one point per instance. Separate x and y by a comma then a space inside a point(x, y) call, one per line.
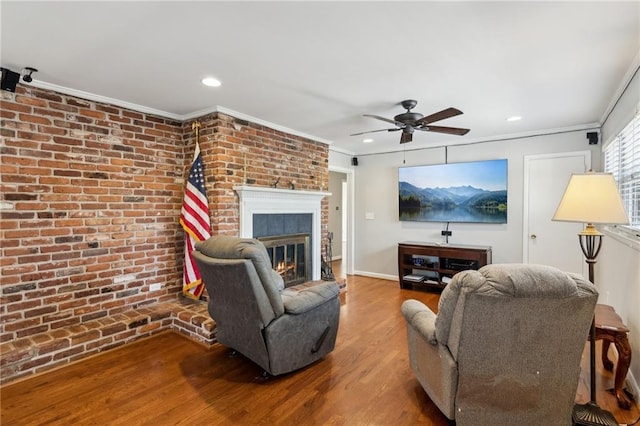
point(289, 257)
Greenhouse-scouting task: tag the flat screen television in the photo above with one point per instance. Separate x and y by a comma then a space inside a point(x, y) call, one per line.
point(474, 192)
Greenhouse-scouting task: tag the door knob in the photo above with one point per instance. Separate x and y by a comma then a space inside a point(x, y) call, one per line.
point(533, 236)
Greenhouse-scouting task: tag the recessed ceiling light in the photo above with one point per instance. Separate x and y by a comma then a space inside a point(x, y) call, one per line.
point(514, 118)
point(211, 82)
point(367, 140)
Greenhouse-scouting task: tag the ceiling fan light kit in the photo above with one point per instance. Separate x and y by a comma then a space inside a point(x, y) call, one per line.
point(409, 121)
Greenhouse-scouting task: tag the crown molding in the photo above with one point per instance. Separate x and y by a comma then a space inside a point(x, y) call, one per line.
point(341, 150)
point(533, 133)
point(631, 72)
point(489, 139)
point(178, 117)
point(195, 114)
point(104, 99)
point(273, 126)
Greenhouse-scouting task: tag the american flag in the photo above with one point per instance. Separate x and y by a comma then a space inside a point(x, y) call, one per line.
point(195, 221)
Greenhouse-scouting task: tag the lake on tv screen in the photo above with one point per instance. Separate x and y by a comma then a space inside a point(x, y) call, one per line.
point(456, 214)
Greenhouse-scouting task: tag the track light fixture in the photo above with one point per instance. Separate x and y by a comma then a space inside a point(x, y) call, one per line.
point(27, 71)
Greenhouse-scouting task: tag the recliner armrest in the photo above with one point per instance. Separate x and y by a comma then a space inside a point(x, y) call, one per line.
point(305, 297)
point(421, 318)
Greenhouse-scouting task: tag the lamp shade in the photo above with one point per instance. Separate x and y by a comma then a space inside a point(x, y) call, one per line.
point(591, 198)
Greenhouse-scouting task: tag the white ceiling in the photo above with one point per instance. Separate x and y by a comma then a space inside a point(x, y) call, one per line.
point(316, 67)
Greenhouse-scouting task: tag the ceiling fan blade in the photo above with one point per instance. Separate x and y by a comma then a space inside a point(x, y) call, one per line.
point(377, 117)
point(442, 129)
point(440, 115)
point(406, 137)
point(374, 131)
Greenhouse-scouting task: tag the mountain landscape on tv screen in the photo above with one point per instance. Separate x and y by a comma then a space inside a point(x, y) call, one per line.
point(453, 204)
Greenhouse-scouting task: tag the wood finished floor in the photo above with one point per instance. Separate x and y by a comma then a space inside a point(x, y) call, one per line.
point(168, 379)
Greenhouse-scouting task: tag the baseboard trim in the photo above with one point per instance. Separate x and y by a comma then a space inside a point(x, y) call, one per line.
point(631, 381)
point(376, 275)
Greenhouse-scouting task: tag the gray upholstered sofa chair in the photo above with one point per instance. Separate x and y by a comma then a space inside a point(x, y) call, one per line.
point(279, 329)
point(505, 346)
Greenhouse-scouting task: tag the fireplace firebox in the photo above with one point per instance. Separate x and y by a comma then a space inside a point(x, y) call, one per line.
point(289, 256)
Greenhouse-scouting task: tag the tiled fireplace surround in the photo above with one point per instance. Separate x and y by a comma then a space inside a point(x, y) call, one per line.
point(91, 197)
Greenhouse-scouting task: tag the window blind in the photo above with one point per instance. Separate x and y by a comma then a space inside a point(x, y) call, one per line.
point(622, 159)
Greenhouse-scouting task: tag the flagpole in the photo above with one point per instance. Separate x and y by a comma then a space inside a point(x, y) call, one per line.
point(195, 126)
point(194, 219)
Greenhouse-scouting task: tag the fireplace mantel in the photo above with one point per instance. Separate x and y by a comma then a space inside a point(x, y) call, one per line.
point(267, 191)
point(267, 200)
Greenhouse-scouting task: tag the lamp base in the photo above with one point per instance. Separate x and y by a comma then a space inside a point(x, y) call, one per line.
point(590, 414)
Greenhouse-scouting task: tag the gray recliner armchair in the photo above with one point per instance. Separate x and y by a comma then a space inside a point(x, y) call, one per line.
point(280, 329)
point(505, 346)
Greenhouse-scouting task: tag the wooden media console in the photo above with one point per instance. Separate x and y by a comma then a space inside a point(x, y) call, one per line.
point(432, 265)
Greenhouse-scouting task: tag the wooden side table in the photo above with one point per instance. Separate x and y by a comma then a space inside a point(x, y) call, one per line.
point(611, 329)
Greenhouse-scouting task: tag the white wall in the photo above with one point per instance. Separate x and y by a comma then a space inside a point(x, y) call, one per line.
point(376, 193)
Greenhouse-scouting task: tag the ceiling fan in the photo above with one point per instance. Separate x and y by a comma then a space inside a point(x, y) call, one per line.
point(409, 121)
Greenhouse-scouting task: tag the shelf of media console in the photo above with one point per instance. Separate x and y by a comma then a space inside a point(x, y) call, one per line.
point(433, 265)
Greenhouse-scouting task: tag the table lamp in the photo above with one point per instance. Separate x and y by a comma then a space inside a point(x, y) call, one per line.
point(591, 198)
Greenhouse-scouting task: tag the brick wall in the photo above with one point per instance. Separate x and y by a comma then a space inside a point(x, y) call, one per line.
point(90, 194)
point(238, 152)
point(91, 197)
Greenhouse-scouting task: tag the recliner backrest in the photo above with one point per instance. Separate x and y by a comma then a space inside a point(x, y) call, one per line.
point(517, 333)
point(506, 281)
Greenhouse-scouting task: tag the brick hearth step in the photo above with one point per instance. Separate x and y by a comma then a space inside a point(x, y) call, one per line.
point(53, 348)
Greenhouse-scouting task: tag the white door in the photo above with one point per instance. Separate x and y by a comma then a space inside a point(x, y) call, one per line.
point(544, 241)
